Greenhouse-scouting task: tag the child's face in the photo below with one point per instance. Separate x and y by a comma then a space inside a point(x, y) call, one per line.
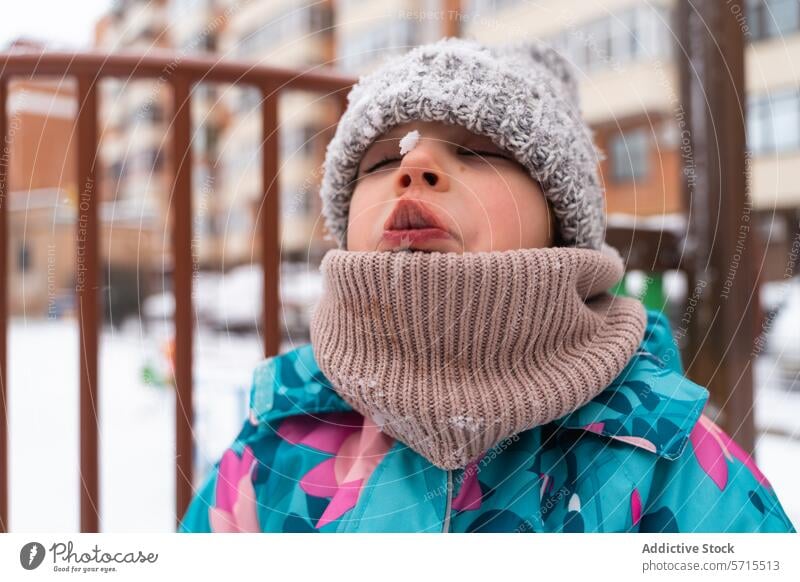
point(478, 196)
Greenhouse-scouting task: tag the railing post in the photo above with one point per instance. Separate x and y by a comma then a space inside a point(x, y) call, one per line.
point(182, 286)
point(4, 159)
point(86, 279)
point(269, 220)
point(723, 242)
point(452, 18)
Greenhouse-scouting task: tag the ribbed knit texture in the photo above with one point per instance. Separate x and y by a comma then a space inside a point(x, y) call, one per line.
point(453, 353)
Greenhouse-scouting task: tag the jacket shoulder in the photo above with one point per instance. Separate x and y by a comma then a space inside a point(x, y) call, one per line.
point(715, 486)
point(291, 384)
point(648, 406)
point(659, 341)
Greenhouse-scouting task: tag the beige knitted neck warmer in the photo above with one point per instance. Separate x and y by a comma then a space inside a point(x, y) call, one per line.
point(453, 353)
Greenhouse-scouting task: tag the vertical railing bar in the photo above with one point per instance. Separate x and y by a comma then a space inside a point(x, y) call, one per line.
point(182, 282)
point(86, 278)
point(270, 221)
point(4, 448)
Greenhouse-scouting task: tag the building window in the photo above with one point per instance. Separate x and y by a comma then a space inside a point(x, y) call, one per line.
point(630, 153)
point(597, 43)
point(295, 202)
point(474, 8)
point(298, 141)
point(624, 41)
point(238, 220)
point(320, 17)
point(642, 32)
point(285, 26)
point(117, 169)
point(390, 38)
point(755, 124)
point(23, 258)
point(249, 99)
point(207, 42)
point(146, 161)
point(772, 18)
point(774, 122)
point(151, 112)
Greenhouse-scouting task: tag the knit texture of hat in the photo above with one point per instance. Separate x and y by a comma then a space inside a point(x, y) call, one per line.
point(453, 353)
point(522, 96)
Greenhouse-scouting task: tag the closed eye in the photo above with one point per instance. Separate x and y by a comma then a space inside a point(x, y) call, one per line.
point(461, 151)
point(468, 152)
point(380, 164)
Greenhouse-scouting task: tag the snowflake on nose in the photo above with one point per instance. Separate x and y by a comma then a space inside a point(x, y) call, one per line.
point(409, 142)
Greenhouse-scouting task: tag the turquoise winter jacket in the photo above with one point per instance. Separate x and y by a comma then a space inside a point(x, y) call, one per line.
point(639, 457)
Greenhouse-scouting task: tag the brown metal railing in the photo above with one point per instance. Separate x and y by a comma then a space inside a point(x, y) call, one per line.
point(89, 69)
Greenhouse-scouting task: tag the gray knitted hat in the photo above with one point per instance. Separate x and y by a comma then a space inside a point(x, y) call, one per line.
point(522, 96)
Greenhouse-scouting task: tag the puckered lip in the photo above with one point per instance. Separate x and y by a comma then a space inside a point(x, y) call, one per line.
point(412, 223)
point(410, 214)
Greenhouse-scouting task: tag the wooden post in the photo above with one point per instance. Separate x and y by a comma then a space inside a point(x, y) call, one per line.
point(269, 220)
point(88, 298)
point(5, 153)
point(181, 209)
point(721, 238)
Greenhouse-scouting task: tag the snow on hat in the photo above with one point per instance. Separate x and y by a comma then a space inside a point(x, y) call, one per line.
point(523, 96)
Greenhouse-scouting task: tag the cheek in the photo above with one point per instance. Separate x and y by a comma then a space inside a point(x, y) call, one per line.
point(515, 212)
point(500, 198)
point(365, 219)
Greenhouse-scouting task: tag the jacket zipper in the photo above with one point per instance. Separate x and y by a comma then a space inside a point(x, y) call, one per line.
point(447, 507)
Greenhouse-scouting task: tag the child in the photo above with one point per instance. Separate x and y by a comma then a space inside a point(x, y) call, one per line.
point(468, 369)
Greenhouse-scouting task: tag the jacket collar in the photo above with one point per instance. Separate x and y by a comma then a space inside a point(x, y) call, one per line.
point(650, 405)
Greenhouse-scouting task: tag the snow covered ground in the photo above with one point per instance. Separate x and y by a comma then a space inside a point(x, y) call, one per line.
point(137, 423)
point(137, 419)
point(777, 414)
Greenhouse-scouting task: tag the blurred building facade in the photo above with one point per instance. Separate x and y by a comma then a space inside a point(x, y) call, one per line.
point(284, 33)
point(622, 50)
point(226, 135)
point(41, 193)
point(624, 53)
point(367, 33)
point(134, 174)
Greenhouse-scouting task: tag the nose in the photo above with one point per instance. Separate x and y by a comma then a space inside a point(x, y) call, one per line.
point(420, 168)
